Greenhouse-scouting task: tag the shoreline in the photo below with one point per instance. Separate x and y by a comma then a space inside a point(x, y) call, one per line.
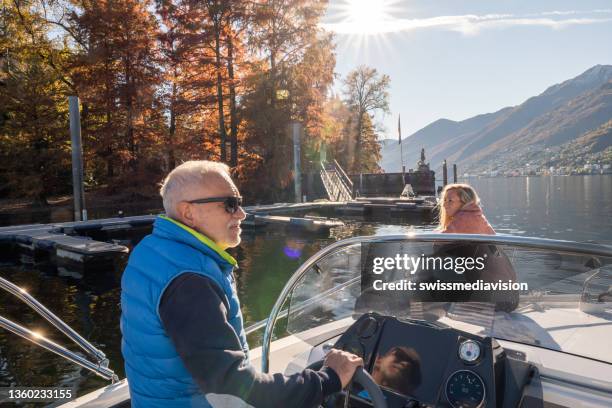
point(475, 176)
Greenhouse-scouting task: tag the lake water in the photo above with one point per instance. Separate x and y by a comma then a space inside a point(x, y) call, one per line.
point(574, 208)
point(571, 208)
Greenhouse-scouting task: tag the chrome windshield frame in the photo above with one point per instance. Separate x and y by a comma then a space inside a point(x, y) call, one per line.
point(569, 247)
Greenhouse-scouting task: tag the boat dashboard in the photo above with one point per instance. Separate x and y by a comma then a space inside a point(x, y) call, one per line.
point(422, 364)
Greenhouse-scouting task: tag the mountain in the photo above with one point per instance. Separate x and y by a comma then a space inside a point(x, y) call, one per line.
point(598, 139)
point(434, 137)
point(562, 113)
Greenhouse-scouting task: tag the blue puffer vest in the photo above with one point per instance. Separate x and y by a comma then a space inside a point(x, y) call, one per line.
point(157, 377)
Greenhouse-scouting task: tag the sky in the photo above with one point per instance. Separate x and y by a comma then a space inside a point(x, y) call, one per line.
point(455, 59)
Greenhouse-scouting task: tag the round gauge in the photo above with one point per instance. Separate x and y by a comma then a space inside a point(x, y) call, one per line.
point(469, 351)
point(465, 389)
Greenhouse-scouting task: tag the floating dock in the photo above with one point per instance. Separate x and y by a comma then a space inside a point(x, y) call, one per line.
point(101, 243)
point(373, 206)
point(366, 206)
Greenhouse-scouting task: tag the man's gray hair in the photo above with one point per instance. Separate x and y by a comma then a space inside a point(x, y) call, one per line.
point(191, 173)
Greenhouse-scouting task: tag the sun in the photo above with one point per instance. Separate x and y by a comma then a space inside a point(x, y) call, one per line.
point(365, 11)
point(364, 17)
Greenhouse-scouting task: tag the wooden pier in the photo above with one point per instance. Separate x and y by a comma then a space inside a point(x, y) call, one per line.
point(367, 206)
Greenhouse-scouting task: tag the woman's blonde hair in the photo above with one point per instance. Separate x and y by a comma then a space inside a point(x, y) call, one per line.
point(466, 194)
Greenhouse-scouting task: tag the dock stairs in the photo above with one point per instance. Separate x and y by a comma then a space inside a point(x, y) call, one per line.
point(338, 185)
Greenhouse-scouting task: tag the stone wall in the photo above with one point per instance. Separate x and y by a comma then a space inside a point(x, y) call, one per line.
point(390, 184)
point(374, 185)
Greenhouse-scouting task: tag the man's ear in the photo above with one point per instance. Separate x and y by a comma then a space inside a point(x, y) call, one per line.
point(184, 213)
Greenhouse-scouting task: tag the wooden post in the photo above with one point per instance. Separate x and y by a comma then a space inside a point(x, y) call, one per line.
point(444, 174)
point(454, 173)
point(297, 171)
point(310, 183)
point(360, 184)
point(80, 213)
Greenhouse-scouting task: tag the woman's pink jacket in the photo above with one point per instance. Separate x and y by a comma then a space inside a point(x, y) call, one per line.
point(469, 220)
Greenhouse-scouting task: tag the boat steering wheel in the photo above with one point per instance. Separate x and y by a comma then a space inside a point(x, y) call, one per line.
point(363, 378)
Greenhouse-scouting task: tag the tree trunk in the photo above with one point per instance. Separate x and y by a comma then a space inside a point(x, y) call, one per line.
point(130, 115)
point(222, 133)
point(272, 80)
point(272, 127)
point(357, 159)
point(232, 95)
point(106, 152)
point(39, 147)
point(172, 131)
point(110, 171)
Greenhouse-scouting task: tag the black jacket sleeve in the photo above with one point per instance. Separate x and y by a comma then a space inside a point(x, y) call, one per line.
point(193, 310)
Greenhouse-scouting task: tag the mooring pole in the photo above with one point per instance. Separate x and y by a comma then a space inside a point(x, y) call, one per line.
point(444, 174)
point(80, 213)
point(454, 173)
point(399, 134)
point(296, 130)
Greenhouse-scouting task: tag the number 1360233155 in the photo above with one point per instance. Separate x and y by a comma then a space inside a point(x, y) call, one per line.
point(35, 394)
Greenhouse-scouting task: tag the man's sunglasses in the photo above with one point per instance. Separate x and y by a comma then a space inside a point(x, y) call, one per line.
point(232, 204)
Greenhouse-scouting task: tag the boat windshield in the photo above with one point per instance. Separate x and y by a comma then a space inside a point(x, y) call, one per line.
point(556, 296)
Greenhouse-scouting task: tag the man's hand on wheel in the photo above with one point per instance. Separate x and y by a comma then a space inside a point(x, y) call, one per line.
point(344, 364)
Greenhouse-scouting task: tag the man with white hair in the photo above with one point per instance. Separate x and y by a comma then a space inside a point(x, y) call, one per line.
point(183, 338)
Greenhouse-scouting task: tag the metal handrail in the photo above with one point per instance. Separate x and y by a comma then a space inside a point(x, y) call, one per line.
point(29, 300)
point(327, 183)
point(344, 182)
point(335, 187)
point(524, 242)
point(24, 296)
point(347, 180)
point(100, 369)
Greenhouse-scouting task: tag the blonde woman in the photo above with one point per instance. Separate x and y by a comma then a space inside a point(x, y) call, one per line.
point(460, 211)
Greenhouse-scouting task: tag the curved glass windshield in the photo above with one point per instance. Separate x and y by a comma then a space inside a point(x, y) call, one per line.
point(556, 299)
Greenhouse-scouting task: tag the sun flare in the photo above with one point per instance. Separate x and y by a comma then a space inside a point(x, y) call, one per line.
point(364, 17)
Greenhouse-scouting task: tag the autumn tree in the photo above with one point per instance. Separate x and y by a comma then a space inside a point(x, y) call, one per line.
point(217, 11)
point(283, 29)
point(238, 18)
point(34, 142)
point(172, 18)
point(226, 22)
point(336, 115)
point(115, 75)
point(201, 44)
point(289, 84)
point(185, 88)
point(370, 146)
point(311, 82)
point(365, 92)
